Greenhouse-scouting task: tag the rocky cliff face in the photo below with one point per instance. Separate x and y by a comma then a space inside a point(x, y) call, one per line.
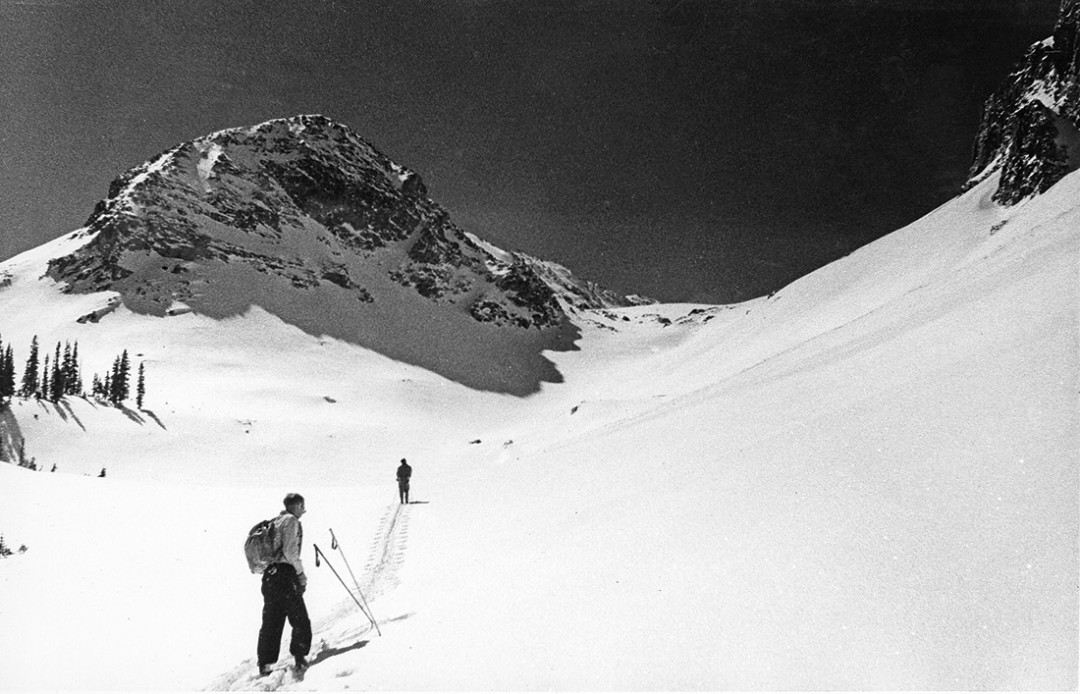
point(1031, 125)
point(301, 199)
point(305, 219)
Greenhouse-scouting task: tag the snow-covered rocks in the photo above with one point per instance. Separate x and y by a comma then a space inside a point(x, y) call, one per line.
point(1031, 124)
point(306, 219)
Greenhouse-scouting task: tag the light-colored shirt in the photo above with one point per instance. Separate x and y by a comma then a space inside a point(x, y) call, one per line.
point(292, 535)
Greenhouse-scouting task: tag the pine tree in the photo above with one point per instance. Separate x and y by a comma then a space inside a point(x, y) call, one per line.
point(30, 374)
point(10, 378)
point(75, 382)
point(57, 386)
point(69, 379)
point(7, 374)
point(44, 388)
point(140, 390)
point(113, 379)
point(125, 371)
point(115, 382)
point(120, 379)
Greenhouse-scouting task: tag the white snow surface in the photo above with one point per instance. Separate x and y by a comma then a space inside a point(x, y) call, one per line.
point(210, 152)
point(1039, 91)
point(866, 481)
point(148, 168)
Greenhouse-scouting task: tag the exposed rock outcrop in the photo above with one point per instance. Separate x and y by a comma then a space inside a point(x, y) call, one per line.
point(307, 220)
point(1030, 130)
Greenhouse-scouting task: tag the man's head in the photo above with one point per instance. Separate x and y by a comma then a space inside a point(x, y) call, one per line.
point(402, 461)
point(294, 504)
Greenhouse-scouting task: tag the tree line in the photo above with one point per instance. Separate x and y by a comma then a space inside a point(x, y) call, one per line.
point(58, 374)
point(6, 551)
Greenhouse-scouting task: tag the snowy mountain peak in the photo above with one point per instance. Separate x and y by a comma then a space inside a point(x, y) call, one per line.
point(306, 219)
point(1031, 124)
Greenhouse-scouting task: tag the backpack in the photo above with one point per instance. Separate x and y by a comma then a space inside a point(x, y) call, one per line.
point(261, 546)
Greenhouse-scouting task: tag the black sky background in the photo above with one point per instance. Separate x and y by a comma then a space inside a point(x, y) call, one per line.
point(691, 150)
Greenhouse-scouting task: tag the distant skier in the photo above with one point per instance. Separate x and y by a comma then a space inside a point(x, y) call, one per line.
point(404, 472)
point(283, 585)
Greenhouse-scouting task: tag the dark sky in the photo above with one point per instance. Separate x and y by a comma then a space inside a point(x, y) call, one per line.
point(691, 150)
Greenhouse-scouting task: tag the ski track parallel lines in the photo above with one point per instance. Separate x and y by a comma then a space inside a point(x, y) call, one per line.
point(387, 552)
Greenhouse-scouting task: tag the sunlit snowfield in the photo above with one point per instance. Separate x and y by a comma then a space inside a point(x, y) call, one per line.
point(867, 480)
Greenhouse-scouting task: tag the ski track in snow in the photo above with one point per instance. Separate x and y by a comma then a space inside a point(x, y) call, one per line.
point(337, 633)
point(387, 552)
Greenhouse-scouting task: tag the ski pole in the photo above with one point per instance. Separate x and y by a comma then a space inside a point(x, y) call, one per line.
point(335, 545)
point(318, 553)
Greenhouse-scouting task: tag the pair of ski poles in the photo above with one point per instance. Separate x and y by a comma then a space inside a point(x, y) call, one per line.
point(364, 608)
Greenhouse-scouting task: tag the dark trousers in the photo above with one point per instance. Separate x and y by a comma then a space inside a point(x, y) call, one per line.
point(282, 600)
point(403, 490)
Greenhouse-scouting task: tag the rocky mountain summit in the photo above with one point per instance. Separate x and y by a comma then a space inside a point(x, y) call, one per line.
point(1030, 130)
point(303, 218)
point(302, 199)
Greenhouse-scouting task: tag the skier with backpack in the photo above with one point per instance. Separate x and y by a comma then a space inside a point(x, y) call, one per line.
point(273, 549)
point(404, 472)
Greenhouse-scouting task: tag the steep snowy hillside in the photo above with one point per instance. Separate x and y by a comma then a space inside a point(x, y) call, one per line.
point(303, 218)
point(865, 481)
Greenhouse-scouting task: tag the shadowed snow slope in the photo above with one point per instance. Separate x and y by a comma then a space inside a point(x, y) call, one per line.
point(867, 480)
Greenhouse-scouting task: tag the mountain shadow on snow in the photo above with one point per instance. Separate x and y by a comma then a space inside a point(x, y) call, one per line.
point(305, 219)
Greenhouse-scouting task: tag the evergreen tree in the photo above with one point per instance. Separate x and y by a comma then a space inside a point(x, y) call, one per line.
point(57, 386)
point(125, 371)
point(30, 374)
point(7, 374)
point(120, 378)
point(10, 378)
point(140, 391)
point(112, 379)
point(114, 382)
point(65, 368)
point(44, 388)
point(75, 383)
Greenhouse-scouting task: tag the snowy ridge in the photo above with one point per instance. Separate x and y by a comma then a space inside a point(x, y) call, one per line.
point(140, 175)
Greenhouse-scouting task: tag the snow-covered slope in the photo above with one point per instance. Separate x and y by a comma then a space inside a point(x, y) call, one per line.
point(867, 480)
